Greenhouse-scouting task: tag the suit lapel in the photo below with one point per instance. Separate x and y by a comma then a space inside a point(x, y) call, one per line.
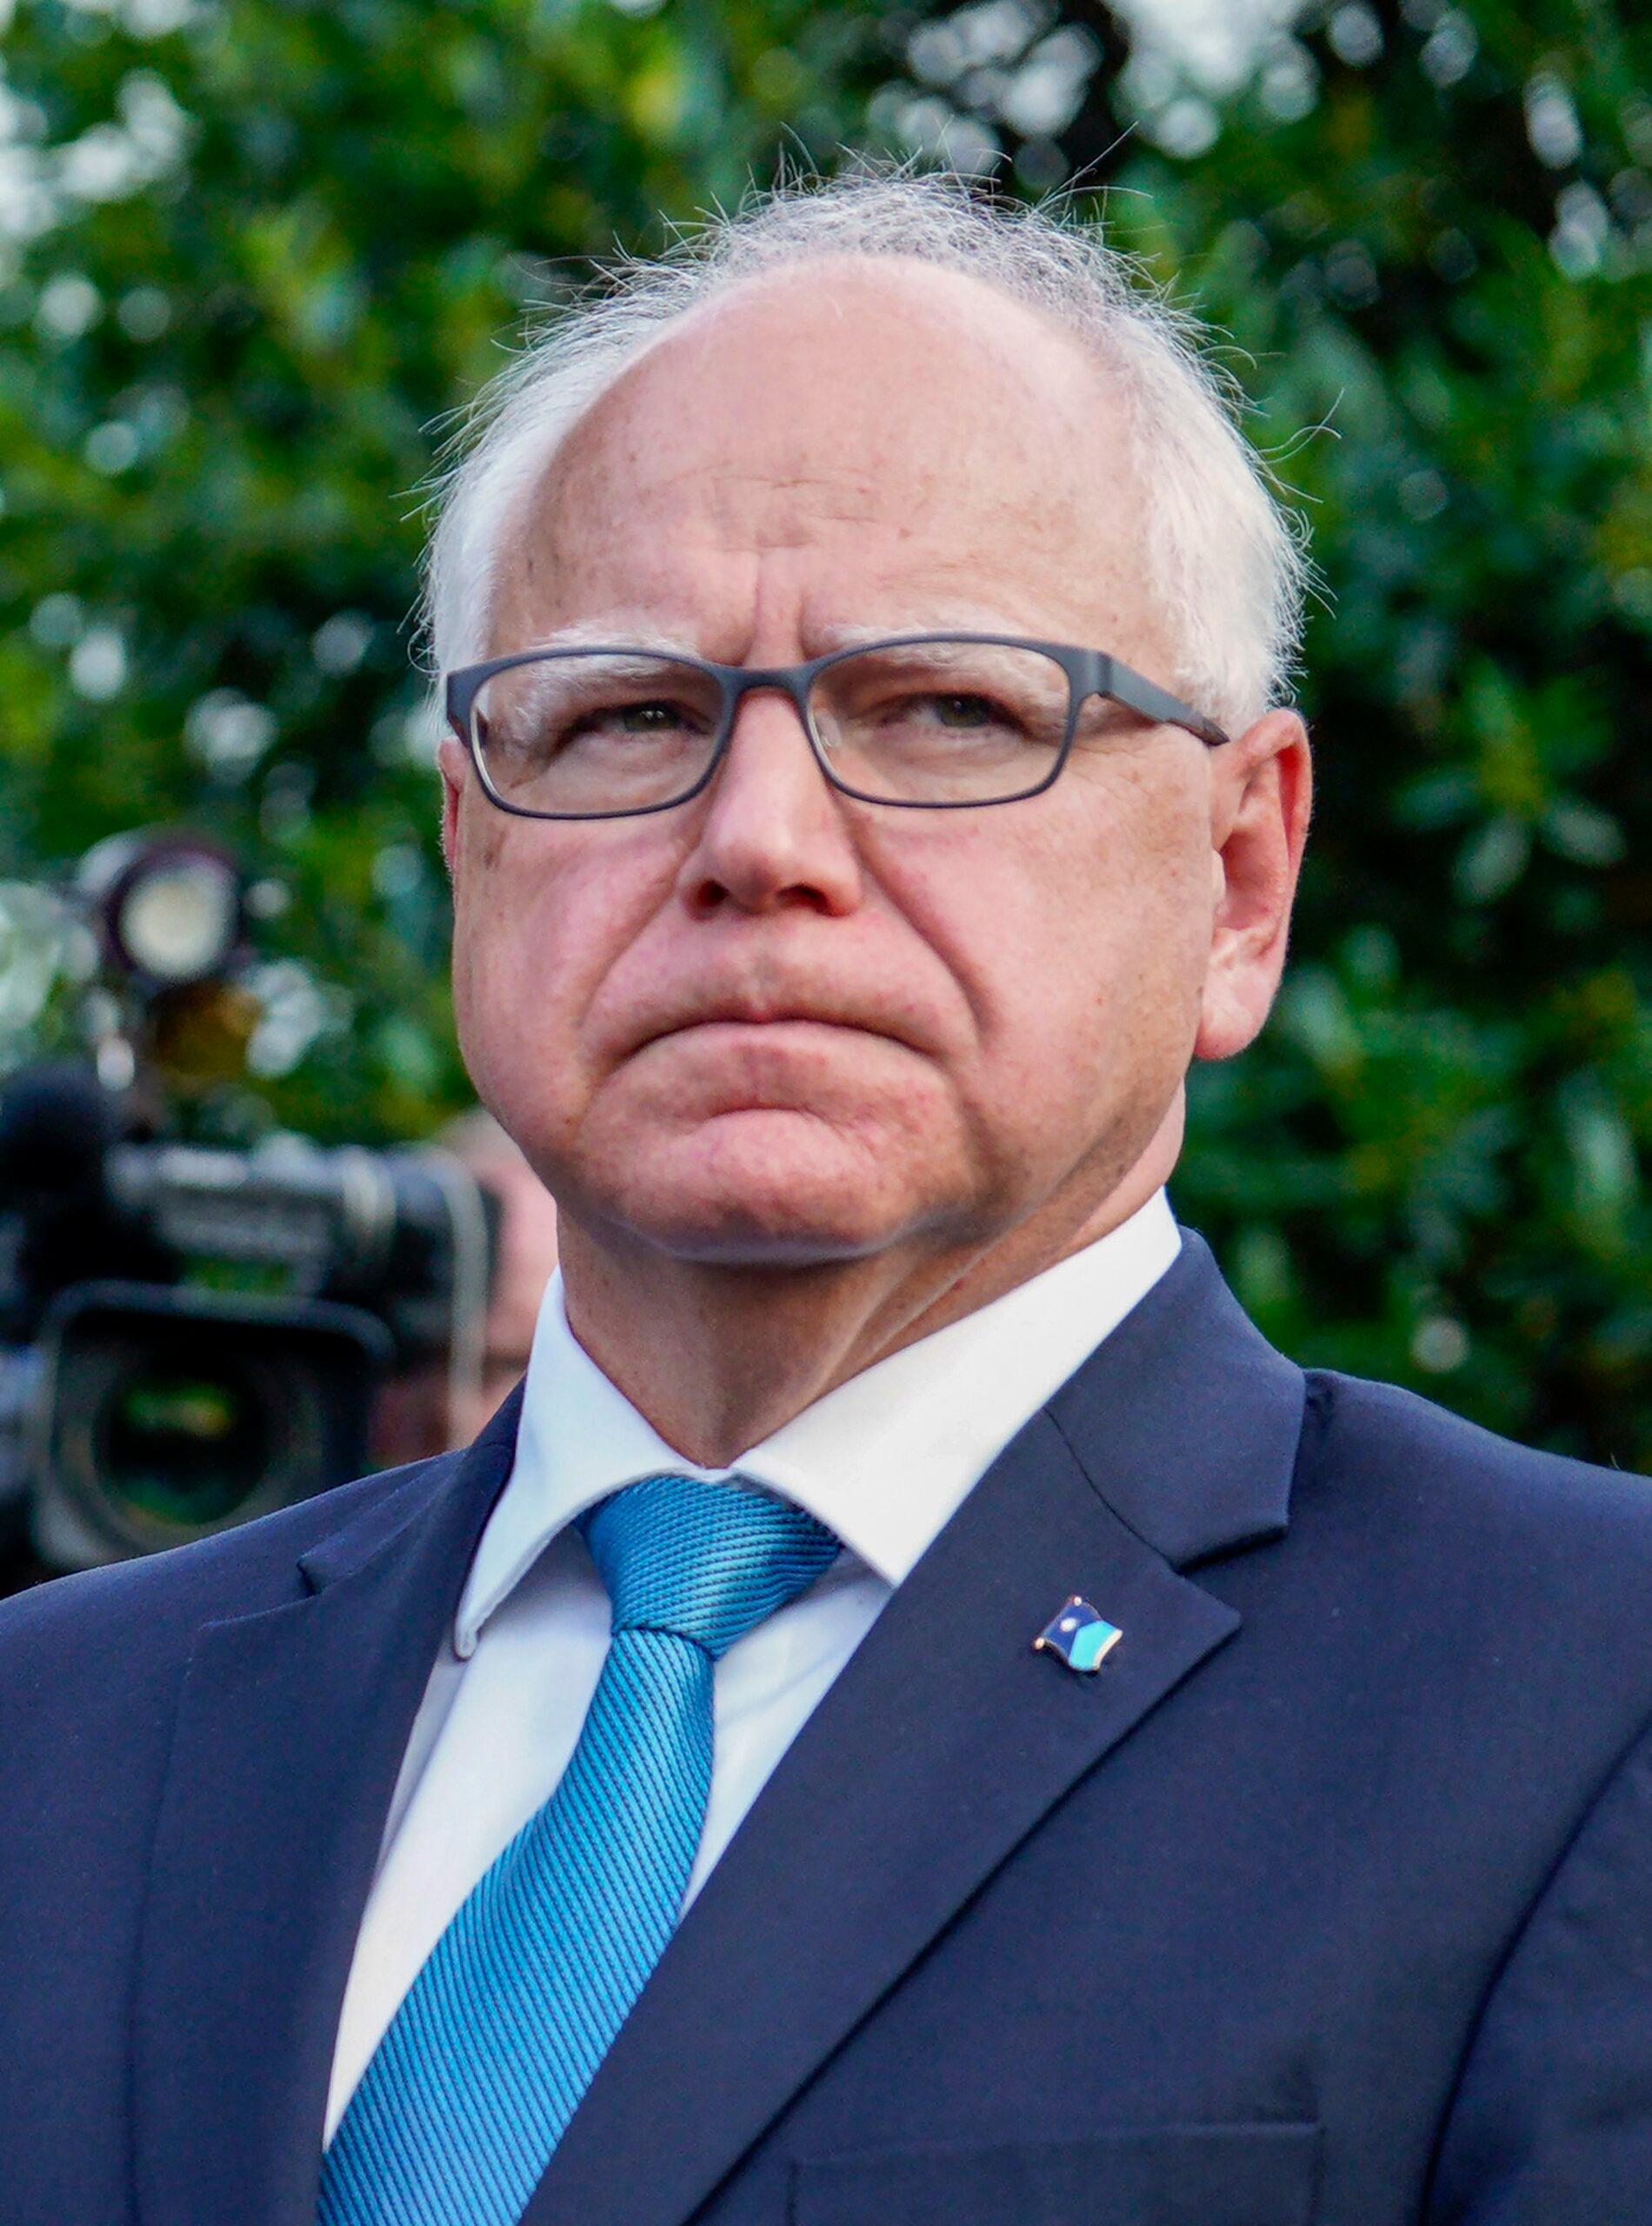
point(943, 1743)
point(290, 1731)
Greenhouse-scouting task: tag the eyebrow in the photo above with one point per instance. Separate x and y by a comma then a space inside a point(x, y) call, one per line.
point(619, 630)
point(634, 630)
point(952, 619)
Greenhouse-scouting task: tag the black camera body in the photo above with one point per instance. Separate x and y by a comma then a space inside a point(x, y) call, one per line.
point(191, 1337)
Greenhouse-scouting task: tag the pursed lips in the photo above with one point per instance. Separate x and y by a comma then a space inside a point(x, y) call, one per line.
point(746, 1013)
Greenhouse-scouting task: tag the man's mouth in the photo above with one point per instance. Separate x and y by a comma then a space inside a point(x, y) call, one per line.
point(776, 1019)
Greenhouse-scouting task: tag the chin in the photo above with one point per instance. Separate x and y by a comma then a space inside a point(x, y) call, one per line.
point(767, 1188)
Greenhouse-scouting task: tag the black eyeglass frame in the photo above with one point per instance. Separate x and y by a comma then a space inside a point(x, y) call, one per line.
point(1089, 672)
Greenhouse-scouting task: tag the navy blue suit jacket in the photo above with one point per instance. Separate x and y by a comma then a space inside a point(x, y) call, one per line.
point(1328, 1898)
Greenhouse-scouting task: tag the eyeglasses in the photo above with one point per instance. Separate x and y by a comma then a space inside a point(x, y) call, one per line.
point(930, 722)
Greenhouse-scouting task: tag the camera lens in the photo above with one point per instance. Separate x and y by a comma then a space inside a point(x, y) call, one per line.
point(164, 1435)
point(165, 1414)
point(181, 1445)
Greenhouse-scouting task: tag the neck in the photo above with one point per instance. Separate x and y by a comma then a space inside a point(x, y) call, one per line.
point(718, 1357)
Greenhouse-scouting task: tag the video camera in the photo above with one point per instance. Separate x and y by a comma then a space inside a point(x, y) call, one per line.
point(191, 1336)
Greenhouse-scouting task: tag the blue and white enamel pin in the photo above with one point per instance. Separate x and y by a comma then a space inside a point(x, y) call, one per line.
point(1080, 1635)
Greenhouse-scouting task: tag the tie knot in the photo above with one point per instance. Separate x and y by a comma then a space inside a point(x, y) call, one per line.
point(707, 1561)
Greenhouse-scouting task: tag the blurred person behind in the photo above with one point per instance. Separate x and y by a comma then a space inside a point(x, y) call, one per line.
point(432, 1408)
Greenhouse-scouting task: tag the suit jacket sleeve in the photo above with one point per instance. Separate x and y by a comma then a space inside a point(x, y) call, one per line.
point(1552, 2119)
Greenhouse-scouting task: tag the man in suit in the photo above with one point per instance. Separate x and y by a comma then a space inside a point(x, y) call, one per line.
point(915, 1712)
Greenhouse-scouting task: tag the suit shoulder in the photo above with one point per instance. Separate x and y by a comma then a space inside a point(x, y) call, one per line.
point(80, 1626)
point(1379, 1440)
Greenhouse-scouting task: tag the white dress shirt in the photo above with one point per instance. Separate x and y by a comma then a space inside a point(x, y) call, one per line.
point(884, 1460)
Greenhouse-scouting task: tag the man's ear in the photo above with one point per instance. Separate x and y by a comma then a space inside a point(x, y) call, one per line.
point(453, 765)
point(1261, 789)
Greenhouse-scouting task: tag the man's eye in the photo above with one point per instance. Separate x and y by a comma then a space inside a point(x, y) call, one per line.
point(645, 718)
point(965, 710)
point(652, 718)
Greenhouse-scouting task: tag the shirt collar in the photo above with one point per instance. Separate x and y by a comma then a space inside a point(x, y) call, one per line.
point(884, 1460)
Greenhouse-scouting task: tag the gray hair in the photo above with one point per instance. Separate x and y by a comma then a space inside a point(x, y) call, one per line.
point(1225, 555)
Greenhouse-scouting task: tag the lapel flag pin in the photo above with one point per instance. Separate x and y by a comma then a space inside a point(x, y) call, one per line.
point(1080, 1635)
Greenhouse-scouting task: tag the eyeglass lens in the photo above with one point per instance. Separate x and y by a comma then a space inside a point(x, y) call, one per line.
point(593, 732)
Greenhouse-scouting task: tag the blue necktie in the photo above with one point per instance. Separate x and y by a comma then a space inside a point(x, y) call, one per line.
point(462, 2105)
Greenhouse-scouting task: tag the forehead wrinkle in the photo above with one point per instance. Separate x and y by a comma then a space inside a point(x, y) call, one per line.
point(941, 595)
point(829, 499)
point(760, 509)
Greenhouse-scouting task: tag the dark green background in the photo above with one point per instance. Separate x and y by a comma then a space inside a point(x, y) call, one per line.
point(252, 250)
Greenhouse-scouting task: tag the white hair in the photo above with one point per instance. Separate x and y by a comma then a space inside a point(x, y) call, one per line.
point(1225, 555)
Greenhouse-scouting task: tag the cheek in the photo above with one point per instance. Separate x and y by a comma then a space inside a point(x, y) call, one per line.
point(539, 920)
point(1080, 944)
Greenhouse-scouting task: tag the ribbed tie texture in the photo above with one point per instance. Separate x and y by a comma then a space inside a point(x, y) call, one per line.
point(462, 2105)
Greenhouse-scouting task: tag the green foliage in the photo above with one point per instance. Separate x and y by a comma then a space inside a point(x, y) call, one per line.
point(279, 240)
point(1431, 1168)
point(1428, 231)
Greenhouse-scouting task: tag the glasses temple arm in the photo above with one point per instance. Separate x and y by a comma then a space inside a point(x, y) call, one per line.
point(1139, 694)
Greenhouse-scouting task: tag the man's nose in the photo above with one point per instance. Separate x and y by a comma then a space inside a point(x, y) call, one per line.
point(774, 831)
